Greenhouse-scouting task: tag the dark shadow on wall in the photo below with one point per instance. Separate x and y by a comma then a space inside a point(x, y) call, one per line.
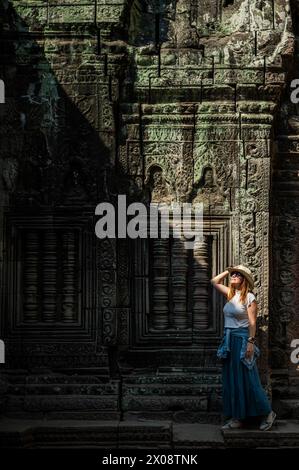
point(51, 152)
point(52, 156)
point(54, 165)
point(53, 160)
point(149, 21)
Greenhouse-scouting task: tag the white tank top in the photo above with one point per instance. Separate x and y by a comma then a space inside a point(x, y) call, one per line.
point(235, 313)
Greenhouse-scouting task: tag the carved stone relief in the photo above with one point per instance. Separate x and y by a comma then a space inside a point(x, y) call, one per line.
point(169, 101)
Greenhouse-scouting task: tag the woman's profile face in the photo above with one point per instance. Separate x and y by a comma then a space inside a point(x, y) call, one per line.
point(236, 279)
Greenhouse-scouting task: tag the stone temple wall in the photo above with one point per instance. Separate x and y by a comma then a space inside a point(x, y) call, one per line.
point(162, 101)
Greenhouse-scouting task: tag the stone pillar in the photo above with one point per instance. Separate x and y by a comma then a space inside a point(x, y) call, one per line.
point(49, 276)
point(31, 278)
point(200, 285)
point(160, 316)
point(69, 277)
point(179, 268)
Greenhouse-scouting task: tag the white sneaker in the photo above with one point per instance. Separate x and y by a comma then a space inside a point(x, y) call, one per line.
point(268, 421)
point(232, 424)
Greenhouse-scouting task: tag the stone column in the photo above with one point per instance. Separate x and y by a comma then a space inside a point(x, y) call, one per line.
point(179, 268)
point(69, 277)
point(160, 318)
point(49, 276)
point(200, 285)
point(31, 277)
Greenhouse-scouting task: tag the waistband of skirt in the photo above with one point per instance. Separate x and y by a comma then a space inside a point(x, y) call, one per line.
point(242, 332)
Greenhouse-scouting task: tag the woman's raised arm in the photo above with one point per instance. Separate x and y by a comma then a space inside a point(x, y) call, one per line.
point(217, 282)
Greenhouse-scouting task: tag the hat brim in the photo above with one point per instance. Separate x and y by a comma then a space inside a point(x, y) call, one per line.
point(246, 275)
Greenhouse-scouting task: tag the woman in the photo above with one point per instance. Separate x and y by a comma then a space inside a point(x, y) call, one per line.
point(243, 395)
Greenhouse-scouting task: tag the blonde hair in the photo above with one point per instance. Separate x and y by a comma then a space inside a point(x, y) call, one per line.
point(244, 291)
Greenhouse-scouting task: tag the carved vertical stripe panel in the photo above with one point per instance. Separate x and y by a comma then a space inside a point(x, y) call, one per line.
point(49, 288)
point(179, 267)
point(160, 311)
point(51, 280)
point(200, 285)
point(31, 277)
point(69, 277)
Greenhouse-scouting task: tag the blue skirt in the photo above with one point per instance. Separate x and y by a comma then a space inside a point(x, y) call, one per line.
point(242, 392)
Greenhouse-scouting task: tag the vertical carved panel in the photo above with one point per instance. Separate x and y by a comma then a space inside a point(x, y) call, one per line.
point(176, 300)
point(200, 285)
point(179, 268)
point(123, 325)
point(122, 273)
point(107, 268)
point(69, 277)
point(50, 281)
point(109, 326)
point(160, 284)
point(30, 277)
point(49, 276)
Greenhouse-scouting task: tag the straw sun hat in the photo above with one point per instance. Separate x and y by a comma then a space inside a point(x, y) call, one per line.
point(240, 268)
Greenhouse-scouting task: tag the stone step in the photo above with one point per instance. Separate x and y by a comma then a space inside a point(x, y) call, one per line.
point(283, 434)
point(287, 408)
point(48, 403)
point(173, 378)
point(169, 389)
point(171, 392)
point(168, 403)
point(179, 416)
point(63, 389)
point(162, 393)
point(141, 434)
point(189, 377)
point(59, 379)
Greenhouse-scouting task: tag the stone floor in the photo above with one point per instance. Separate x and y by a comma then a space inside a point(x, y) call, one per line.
point(141, 434)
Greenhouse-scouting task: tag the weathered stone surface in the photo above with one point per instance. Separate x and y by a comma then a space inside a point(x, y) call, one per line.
point(163, 102)
point(140, 434)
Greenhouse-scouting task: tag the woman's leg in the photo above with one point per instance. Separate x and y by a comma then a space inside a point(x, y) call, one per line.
point(243, 394)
